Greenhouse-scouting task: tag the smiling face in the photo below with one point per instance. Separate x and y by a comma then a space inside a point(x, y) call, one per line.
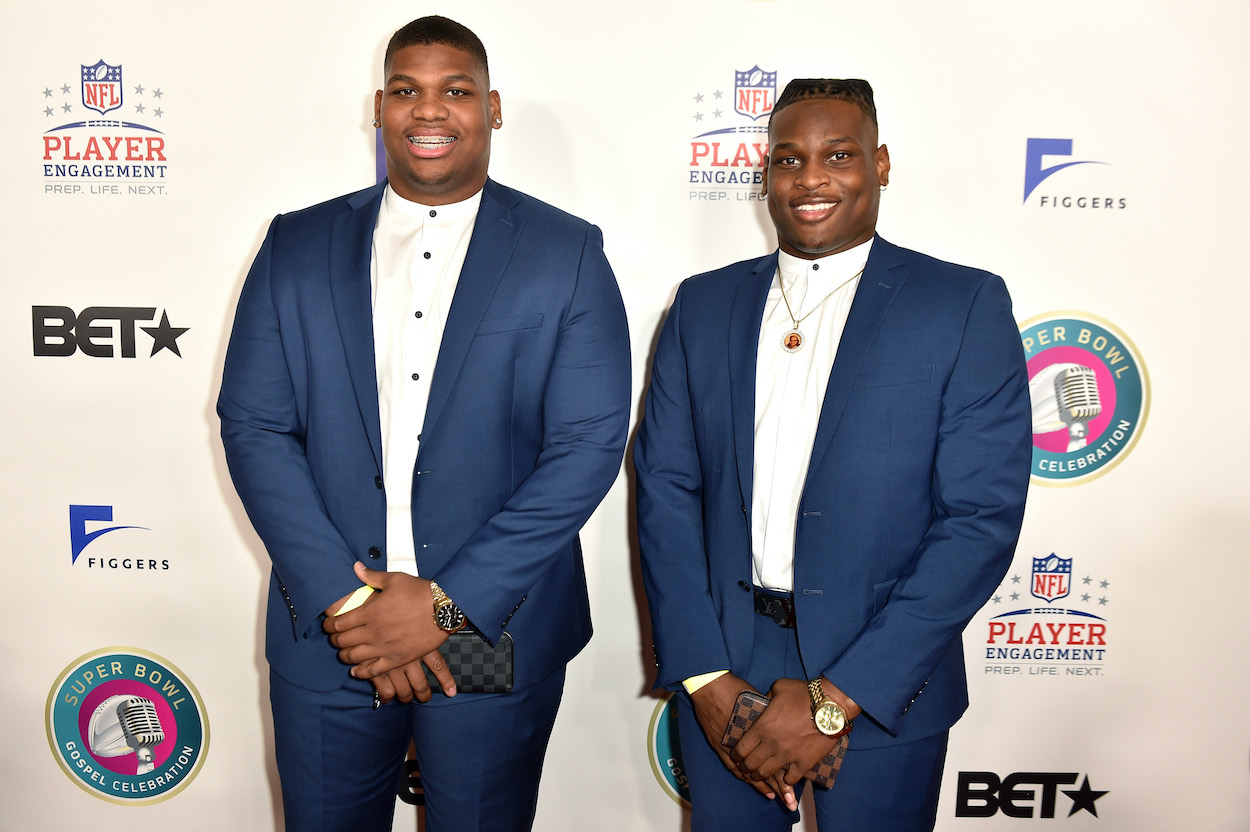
point(436, 113)
point(823, 177)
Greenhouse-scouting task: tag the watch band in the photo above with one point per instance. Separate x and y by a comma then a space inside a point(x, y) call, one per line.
point(817, 692)
point(440, 597)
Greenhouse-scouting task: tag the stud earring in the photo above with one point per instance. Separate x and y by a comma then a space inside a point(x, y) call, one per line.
point(499, 122)
point(883, 187)
point(375, 123)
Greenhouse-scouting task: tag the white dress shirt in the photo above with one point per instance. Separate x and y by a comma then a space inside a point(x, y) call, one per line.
point(418, 252)
point(789, 391)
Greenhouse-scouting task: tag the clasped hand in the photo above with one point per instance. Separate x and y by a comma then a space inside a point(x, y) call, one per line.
point(782, 745)
point(389, 638)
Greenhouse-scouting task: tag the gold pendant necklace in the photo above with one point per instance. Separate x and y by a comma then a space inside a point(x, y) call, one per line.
point(794, 340)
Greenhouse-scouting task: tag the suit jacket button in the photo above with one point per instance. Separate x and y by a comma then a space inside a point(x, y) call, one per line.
point(377, 481)
point(375, 552)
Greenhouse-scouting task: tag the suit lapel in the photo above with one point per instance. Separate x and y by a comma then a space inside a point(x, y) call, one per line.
point(744, 335)
point(351, 241)
point(495, 234)
point(878, 287)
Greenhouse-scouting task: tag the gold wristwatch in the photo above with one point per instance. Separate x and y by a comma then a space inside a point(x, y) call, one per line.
point(829, 716)
point(446, 614)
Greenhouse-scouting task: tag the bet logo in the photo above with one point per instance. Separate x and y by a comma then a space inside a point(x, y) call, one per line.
point(99, 331)
point(982, 794)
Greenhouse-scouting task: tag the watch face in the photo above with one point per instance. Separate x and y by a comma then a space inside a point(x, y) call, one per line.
point(830, 719)
point(449, 617)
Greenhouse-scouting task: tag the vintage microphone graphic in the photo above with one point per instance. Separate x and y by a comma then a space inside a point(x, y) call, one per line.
point(1065, 396)
point(126, 725)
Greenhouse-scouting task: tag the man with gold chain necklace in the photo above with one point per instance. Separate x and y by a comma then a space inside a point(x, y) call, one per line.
point(832, 469)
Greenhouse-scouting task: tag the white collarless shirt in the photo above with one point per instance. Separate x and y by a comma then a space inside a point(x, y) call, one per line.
point(418, 252)
point(789, 391)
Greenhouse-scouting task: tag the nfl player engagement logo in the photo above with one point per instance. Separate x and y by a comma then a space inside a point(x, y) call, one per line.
point(1089, 392)
point(88, 154)
point(127, 726)
point(1059, 628)
point(664, 749)
point(731, 139)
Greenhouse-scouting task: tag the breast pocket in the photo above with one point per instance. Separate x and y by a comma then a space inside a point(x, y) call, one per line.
point(896, 378)
point(511, 323)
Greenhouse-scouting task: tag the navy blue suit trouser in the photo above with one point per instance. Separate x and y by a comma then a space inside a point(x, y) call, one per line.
point(480, 756)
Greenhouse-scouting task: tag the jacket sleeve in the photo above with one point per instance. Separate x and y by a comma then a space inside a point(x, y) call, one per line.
point(684, 621)
point(263, 437)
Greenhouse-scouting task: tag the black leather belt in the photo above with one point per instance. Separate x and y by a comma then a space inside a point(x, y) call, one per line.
point(778, 609)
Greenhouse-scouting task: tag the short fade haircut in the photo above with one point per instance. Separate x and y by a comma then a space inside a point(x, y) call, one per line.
point(436, 30)
point(854, 90)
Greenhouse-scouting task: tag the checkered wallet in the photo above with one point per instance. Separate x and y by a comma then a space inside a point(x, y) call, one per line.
point(475, 665)
point(748, 708)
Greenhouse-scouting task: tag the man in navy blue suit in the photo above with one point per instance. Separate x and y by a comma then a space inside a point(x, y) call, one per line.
point(425, 396)
point(832, 470)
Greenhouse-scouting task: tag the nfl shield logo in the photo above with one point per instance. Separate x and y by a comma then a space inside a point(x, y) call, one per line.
point(755, 92)
point(102, 87)
point(1052, 578)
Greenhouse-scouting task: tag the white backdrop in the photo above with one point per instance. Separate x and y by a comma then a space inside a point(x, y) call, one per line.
point(265, 107)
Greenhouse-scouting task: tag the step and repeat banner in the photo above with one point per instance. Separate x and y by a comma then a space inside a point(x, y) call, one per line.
point(1091, 153)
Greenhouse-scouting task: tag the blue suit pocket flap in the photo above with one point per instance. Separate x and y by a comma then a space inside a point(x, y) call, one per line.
point(511, 323)
point(894, 378)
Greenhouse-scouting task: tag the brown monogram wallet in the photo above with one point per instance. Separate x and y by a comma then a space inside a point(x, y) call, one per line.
point(748, 708)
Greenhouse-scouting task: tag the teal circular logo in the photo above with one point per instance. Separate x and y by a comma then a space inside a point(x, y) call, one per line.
point(1089, 394)
point(664, 749)
point(127, 726)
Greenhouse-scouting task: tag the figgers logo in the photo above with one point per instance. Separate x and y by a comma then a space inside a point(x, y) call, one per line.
point(1089, 392)
point(127, 726)
point(79, 538)
point(983, 794)
point(1035, 173)
point(99, 331)
point(730, 158)
point(664, 749)
point(88, 156)
point(1049, 639)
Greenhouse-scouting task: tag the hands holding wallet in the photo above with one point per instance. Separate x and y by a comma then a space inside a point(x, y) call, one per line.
point(750, 705)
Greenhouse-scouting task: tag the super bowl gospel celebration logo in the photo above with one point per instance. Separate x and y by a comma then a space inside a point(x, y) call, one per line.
point(1089, 392)
point(664, 749)
point(127, 726)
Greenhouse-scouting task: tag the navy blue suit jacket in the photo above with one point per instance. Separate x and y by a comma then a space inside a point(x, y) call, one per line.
point(914, 495)
point(523, 435)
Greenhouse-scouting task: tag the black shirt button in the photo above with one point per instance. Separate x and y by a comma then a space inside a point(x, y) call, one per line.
point(375, 552)
point(418, 314)
point(416, 376)
point(427, 255)
point(433, 213)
